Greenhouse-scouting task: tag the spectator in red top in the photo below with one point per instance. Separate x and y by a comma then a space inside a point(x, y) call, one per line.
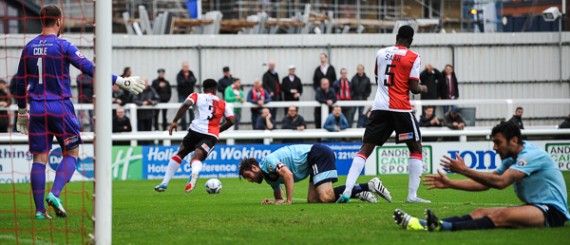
point(342, 88)
point(259, 97)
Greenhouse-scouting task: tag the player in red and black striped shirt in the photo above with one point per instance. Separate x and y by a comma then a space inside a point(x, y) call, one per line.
point(397, 73)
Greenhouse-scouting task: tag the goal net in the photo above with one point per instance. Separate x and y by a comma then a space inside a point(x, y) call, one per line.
point(19, 24)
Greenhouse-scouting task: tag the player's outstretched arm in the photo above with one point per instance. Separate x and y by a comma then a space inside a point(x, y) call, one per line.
point(492, 180)
point(134, 85)
point(441, 181)
point(181, 111)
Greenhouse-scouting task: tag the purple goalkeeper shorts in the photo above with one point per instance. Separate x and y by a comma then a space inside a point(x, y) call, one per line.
point(53, 118)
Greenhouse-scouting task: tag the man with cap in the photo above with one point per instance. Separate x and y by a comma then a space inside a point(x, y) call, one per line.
point(397, 70)
point(202, 134)
point(164, 91)
point(453, 119)
point(291, 86)
point(225, 81)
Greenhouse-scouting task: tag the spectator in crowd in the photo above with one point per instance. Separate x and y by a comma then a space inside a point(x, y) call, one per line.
point(364, 118)
point(12, 90)
point(85, 90)
point(564, 125)
point(265, 121)
point(360, 89)
point(449, 89)
point(234, 94)
point(324, 95)
point(431, 78)
point(517, 118)
point(336, 121)
point(453, 119)
point(128, 95)
point(185, 82)
point(164, 91)
point(4, 104)
point(293, 120)
point(119, 96)
point(225, 81)
point(259, 97)
point(291, 86)
point(121, 123)
point(428, 118)
point(270, 81)
point(148, 97)
point(342, 87)
point(126, 72)
point(325, 70)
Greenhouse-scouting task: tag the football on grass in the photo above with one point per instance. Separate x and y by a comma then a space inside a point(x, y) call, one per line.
point(213, 186)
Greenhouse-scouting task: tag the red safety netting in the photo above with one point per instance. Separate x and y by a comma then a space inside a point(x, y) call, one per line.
point(20, 24)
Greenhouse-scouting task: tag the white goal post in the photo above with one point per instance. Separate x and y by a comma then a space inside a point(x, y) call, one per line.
point(103, 122)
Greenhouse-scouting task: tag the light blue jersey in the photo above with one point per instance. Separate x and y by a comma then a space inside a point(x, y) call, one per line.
point(294, 157)
point(543, 183)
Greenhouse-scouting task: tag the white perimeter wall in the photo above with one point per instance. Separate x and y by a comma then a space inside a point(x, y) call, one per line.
point(499, 65)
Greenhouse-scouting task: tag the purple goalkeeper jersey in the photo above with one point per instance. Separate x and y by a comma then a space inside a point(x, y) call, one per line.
point(44, 67)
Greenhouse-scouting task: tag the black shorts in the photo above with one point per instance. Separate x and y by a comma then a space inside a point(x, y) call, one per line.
point(323, 165)
point(552, 216)
point(382, 123)
point(194, 140)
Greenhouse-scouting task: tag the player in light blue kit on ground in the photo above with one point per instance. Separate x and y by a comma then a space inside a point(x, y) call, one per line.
point(44, 70)
point(537, 181)
point(294, 163)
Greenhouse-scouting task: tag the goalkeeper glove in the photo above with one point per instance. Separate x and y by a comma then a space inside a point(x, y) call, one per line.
point(134, 85)
point(22, 123)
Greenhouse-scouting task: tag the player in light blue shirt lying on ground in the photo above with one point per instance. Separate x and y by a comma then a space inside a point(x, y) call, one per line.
point(537, 181)
point(294, 163)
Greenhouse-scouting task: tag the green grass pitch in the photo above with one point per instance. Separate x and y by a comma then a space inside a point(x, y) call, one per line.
point(235, 216)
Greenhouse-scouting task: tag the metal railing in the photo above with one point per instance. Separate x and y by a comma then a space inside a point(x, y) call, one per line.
point(269, 136)
point(509, 104)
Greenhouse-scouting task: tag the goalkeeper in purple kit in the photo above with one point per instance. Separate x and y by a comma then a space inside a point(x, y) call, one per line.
point(43, 81)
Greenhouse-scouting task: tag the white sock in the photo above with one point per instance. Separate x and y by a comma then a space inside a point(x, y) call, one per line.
point(173, 166)
point(196, 167)
point(415, 169)
point(357, 165)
